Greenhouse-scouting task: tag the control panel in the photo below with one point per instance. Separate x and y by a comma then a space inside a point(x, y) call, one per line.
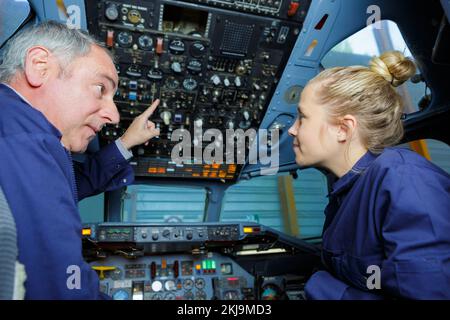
point(175, 277)
point(224, 261)
point(214, 65)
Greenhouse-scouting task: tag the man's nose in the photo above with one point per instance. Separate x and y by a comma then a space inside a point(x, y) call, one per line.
point(111, 113)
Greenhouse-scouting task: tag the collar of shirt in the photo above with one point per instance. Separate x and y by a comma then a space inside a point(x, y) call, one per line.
point(347, 180)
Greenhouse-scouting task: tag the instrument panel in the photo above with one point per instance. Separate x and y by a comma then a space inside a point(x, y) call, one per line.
point(175, 277)
point(210, 261)
point(214, 65)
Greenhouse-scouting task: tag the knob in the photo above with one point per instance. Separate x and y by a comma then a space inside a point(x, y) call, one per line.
point(215, 79)
point(111, 12)
point(198, 122)
point(237, 81)
point(246, 115)
point(176, 67)
point(166, 233)
point(230, 124)
point(155, 236)
point(189, 236)
point(256, 87)
point(166, 116)
point(144, 235)
point(226, 82)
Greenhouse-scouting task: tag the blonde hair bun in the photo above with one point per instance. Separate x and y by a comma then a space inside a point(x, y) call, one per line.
point(394, 67)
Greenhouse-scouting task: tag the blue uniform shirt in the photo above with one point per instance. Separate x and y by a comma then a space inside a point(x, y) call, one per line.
point(43, 187)
point(391, 212)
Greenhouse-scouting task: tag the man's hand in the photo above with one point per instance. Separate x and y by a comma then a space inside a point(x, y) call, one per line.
point(141, 130)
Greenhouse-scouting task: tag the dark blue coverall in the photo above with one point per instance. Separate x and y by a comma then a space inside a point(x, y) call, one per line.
point(43, 187)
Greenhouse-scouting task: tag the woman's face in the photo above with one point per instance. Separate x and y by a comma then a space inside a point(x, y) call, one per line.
point(315, 141)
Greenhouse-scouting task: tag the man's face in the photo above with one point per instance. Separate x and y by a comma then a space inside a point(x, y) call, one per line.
point(81, 98)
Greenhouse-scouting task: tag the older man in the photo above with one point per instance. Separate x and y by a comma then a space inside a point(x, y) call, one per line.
point(56, 93)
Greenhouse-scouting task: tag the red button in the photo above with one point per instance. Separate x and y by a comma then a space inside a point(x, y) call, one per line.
point(293, 7)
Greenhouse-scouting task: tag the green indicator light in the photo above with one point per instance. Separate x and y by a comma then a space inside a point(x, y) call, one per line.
point(204, 264)
point(213, 264)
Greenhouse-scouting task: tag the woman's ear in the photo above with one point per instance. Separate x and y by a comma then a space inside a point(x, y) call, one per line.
point(347, 128)
point(37, 63)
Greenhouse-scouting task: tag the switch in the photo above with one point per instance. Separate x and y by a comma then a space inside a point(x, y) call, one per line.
point(159, 45)
point(166, 116)
point(216, 80)
point(132, 96)
point(237, 82)
point(110, 38)
point(293, 7)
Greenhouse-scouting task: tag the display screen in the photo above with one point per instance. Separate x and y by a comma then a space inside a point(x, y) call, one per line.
point(184, 20)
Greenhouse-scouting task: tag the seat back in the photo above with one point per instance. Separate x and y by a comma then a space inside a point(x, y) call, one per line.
point(8, 250)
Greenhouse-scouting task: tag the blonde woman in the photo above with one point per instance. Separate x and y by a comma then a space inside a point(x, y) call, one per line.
point(387, 226)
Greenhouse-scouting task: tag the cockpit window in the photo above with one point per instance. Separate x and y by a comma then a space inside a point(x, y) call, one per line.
point(155, 204)
point(293, 206)
point(371, 41)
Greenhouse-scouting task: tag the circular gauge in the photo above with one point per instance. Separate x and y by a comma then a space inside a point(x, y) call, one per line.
point(170, 285)
point(125, 39)
point(188, 284)
point(199, 283)
point(116, 274)
point(177, 46)
point(120, 295)
point(172, 83)
point(134, 16)
point(156, 286)
point(200, 295)
point(189, 295)
point(156, 296)
point(155, 74)
point(169, 296)
point(194, 66)
point(195, 33)
point(145, 42)
point(197, 49)
point(111, 12)
point(190, 84)
point(231, 295)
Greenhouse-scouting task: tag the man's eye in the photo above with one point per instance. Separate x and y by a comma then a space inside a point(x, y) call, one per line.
point(300, 116)
point(100, 89)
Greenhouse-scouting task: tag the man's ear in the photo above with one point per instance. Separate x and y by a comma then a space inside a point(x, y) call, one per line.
point(347, 128)
point(37, 65)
